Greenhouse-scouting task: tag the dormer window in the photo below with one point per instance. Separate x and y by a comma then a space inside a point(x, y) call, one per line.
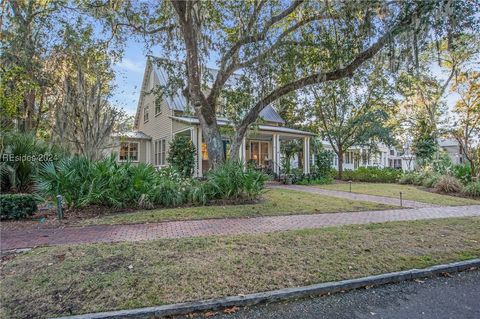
point(158, 105)
point(145, 114)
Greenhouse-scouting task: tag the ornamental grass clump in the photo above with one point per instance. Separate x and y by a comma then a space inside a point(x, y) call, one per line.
point(448, 184)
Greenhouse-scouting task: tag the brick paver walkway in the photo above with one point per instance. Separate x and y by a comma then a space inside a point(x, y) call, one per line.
point(117, 233)
point(355, 196)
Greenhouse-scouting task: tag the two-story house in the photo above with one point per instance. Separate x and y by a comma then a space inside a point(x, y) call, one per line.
point(159, 120)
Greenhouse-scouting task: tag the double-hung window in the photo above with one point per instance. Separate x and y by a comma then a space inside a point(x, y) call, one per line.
point(158, 105)
point(128, 151)
point(145, 113)
point(160, 154)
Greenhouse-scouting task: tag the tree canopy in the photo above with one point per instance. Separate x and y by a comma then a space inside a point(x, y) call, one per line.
point(277, 47)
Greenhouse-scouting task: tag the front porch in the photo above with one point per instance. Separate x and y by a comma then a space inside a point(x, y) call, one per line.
point(260, 148)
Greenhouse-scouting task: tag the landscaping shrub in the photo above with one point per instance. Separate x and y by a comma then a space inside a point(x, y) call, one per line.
point(323, 163)
point(472, 189)
point(430, 180)
point(21, 156)
point(408, 178)
point(232, 181)
point(17, 206)
point(181, 155)
point(448, 184)
point(463, 173)
point(315, 181)
point(82, 182)
point(373, 175)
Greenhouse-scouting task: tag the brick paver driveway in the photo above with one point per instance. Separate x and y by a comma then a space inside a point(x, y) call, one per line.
point(116, 233)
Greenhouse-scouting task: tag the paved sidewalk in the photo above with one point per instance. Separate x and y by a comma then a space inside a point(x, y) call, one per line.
point(355, 196)
point(176, 229)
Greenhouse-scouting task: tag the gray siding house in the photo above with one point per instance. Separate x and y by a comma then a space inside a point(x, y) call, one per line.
point(158, 120)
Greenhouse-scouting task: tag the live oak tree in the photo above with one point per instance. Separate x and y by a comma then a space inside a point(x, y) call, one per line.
point(250, 42)
point(353, 111)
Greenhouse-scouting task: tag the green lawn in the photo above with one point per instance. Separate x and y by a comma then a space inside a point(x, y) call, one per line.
point(56, 281)
point(275, 202)
point(408, 192)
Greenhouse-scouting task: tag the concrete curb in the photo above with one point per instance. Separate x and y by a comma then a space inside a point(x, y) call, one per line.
point(281, 294)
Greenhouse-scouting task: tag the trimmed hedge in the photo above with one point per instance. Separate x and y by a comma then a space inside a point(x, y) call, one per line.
point(373, 175)
point(17, 206)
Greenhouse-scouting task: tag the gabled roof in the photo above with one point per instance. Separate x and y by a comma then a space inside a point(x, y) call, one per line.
point(178, 102)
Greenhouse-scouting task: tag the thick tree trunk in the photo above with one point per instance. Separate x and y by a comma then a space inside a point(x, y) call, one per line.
point(340, 165)
point(214, 143)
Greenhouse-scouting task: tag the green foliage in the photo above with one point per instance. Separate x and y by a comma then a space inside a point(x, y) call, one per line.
point(407, 178)
point(442, 165)
point(448, 184)
point(232, 181)
point(182, 155)
point(312, 180)
point(472, 189)
point(323, 162)
point(373, 174)
point(21, 156)
point(463, 173)
point(83, 182)
point(17, 206)
point(424, 148)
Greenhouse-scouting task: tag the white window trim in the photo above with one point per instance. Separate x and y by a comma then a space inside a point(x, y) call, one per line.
point(159, 152)
point(138, 152)
point(146, 110)
point(155, 106)
point(183, 130)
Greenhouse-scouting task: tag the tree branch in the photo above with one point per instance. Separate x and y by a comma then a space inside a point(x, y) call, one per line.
point(321, 77)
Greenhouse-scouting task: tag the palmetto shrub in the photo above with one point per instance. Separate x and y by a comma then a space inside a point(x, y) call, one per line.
point(20, 157)
point(83, 182)
point(232, 181)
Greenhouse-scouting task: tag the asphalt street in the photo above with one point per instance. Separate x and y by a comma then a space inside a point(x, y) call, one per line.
point(455, 297)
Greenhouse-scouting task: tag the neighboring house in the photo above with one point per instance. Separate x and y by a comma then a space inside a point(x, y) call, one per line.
point(158, 120)
point(384, 156)
point(453, 149)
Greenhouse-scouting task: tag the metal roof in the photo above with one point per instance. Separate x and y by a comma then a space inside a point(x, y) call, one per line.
point(224, 122)
point(178, 102)
point(133, 134)
point(445, 142)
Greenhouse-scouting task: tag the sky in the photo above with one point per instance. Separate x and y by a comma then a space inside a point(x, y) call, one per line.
point(129, 76)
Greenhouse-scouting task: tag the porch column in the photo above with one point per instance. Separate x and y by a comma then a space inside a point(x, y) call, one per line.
point(306, 155)
point(199, 152)
point(276, 153)
point(148, 152)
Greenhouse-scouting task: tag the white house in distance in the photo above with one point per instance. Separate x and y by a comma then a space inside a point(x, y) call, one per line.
point(387, 156)
point(158, 120)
